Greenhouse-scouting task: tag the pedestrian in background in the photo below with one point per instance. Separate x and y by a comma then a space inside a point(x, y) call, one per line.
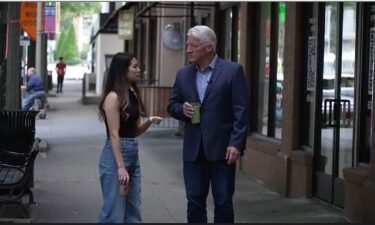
point(121, 109)
point(60, 70)
point(34, 89)
point(211, 96)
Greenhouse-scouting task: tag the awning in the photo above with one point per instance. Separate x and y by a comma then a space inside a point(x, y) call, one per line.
point(112, 17)
point(154, 13)
point(170, 5)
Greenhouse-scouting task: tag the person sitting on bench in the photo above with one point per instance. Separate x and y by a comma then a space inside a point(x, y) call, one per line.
point(34, 89)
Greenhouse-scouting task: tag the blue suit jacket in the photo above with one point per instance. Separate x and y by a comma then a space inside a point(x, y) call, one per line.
point(224, 110)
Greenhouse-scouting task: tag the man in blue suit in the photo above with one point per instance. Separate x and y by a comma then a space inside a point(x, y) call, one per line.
point(212, 146)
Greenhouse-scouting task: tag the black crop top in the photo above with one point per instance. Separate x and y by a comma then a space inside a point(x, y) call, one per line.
point(128, 127)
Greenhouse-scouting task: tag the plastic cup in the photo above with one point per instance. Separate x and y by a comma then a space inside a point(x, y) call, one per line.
point(123, 190)
point(196, 118)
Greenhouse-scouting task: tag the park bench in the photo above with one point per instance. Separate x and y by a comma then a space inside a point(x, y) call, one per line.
point(15, 173)
point(18, 149)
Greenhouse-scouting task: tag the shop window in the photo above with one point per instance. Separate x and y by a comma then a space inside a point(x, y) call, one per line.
point(108, 60)
point(227, 35)
point(230, 48)
point(271, 69)
point(205, 20)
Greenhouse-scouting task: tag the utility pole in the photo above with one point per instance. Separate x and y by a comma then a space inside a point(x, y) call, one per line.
point(43, 63)
point(3, 19)
point(13, 56)
point(41, 47)
point(38, 55)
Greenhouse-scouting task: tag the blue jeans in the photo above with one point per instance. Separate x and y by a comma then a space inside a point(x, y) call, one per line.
point(117, 208)
point(29, 99)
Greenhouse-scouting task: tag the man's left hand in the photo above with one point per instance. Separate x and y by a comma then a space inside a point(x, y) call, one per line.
point(233, 154)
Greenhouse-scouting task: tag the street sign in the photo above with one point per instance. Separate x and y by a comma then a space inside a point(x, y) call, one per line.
point(50, 19)
point(49, 4)
point(24, 41)
point(28, 13)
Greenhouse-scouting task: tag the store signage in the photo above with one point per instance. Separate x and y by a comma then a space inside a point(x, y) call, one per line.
point(50, 19)
point(371, 58)
point(24, 41)
point(28, 13)
point(125, 24)
point(311, 64)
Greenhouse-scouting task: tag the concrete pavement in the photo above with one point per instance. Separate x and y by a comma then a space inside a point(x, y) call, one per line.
point(67, 187)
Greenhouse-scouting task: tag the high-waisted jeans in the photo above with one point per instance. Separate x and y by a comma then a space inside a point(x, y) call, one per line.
point(117, 208)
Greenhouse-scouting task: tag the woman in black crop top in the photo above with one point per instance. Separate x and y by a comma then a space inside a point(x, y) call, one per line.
point(121, 109)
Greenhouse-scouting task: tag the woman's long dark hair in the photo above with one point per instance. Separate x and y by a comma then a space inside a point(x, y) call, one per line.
point(116, 81)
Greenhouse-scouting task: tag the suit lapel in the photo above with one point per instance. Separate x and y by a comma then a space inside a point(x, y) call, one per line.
point(193, 82)
point(215, 74)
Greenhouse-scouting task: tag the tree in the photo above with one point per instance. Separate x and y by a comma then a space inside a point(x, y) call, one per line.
point(67, 47)
point(59, 45)
point(67, 44)
point(74, 9)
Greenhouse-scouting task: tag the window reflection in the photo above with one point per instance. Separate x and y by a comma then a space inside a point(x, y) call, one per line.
point(280, 69)
point(228, 34)
point(264, 70)
point(329, 72)
point(347, 86)
point(276, 79)
point(338, 88)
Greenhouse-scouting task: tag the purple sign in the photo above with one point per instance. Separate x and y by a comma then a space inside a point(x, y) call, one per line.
point(50, 21)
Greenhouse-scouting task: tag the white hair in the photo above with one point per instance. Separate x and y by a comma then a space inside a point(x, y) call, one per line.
point(203, 33)
point(32, 70)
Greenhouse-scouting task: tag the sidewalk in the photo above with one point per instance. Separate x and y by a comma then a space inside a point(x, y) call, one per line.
point(67, 187)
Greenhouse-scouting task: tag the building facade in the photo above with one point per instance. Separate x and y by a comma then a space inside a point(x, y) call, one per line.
point(310, 69)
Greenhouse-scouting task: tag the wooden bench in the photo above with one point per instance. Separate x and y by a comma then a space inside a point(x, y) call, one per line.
point(16, 170)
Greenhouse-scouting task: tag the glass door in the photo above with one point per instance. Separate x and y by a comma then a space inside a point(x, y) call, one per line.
point(334, 150)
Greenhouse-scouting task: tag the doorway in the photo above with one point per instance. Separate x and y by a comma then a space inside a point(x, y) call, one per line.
point(336, 100)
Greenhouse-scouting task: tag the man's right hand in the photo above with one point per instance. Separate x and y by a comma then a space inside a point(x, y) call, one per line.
point(188, 109)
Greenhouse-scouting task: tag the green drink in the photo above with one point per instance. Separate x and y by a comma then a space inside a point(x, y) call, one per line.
point(196, 118)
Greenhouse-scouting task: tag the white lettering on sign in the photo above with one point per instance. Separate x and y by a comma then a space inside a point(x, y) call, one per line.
point(125, 25)
point(311, 64)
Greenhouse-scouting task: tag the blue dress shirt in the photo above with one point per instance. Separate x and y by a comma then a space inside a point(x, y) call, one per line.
point(203, 78)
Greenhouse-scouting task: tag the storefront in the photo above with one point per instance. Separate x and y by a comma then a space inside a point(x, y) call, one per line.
point(312, 103)
point(310, 68)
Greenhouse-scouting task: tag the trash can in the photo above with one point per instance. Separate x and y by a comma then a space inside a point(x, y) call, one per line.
point(49, 77)
point(17, 130)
